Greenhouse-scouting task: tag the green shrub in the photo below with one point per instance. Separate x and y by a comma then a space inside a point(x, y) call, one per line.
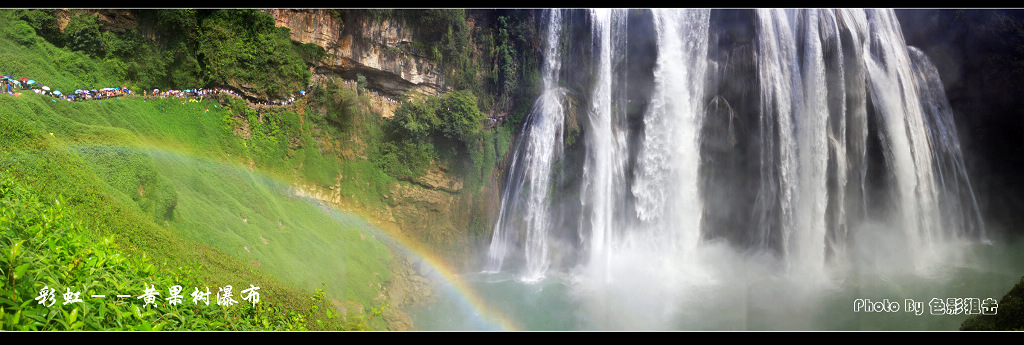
point(338, 104)
point(24, 34)
point(459, 115)
point(133, 175)
point(1009, 315)
point(502, 141)
point(310, 52)
point(44, 247)
point(360, 83)
point(416, 119)
point(82, 33)
point(404, 159)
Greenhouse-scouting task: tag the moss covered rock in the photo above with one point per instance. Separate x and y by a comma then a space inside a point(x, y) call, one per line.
point(1009, 316)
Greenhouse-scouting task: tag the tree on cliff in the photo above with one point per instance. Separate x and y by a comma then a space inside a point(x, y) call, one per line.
point(244, 47)
point(460, 118)
point(415, 120)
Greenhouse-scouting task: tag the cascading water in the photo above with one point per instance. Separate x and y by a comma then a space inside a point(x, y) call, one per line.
point(804, 104)
point(666, 183)
point(783, 89)
point(837, 150)
point(525, 202)
point(599, 169)
point(959, 206)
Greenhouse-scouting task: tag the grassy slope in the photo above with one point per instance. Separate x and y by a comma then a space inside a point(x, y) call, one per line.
point(44, 245)
point(122, 162)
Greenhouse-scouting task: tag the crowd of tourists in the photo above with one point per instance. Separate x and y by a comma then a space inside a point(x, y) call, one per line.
point(216, 92)
point(104, 93)
point(9, 85)
point(190, 93)
point(287, 101)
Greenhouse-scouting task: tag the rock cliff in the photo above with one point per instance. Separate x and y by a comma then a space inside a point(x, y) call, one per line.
point(356, 45)
point(429, 209)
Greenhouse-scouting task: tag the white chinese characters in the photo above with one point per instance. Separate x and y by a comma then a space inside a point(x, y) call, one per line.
point(48, 296)
point(225, 299)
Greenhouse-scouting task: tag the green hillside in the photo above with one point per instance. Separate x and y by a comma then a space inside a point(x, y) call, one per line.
point(204, 188)
point(171, 181)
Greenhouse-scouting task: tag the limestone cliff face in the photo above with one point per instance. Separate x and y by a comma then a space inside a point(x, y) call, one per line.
point(356, 45)
point(432, 208)
point(115, 20)
point(429, 209)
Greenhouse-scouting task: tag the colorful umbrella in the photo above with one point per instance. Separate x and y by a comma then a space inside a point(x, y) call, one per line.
point(78, 91)
point(23, 79)
point(56, 92)
point(31, 82)
point(8, 76)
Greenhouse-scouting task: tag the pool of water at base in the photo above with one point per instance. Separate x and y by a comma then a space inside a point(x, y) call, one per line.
point(741, 299)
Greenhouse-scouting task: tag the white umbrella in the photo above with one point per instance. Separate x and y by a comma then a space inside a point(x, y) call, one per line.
point(47, 88)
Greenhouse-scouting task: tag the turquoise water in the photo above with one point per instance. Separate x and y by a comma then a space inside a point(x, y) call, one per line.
point(749, 296)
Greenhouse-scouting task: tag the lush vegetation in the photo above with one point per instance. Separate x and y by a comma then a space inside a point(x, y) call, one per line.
point(174, 205)
point(516, 71)
point(498, 59)
point(171, 180)
point(351, 136)
point(451, 121)
point(190, 183)
point(46, 247)
point(240, 48)
point(25, 54)
point(1008, 317)
point(245, 46)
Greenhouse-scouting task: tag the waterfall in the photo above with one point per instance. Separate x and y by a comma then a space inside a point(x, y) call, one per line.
point(604, 171)
point(666, 185)
point(907, 148)
point(525, 205)
point(781, 97)
point(803, 103)
point(853, 32)
point(846, 134)
point(958, 203)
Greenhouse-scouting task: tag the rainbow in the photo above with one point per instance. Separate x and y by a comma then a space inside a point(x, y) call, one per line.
point(467, 296)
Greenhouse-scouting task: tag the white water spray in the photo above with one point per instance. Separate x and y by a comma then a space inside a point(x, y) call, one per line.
point(817, 76)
